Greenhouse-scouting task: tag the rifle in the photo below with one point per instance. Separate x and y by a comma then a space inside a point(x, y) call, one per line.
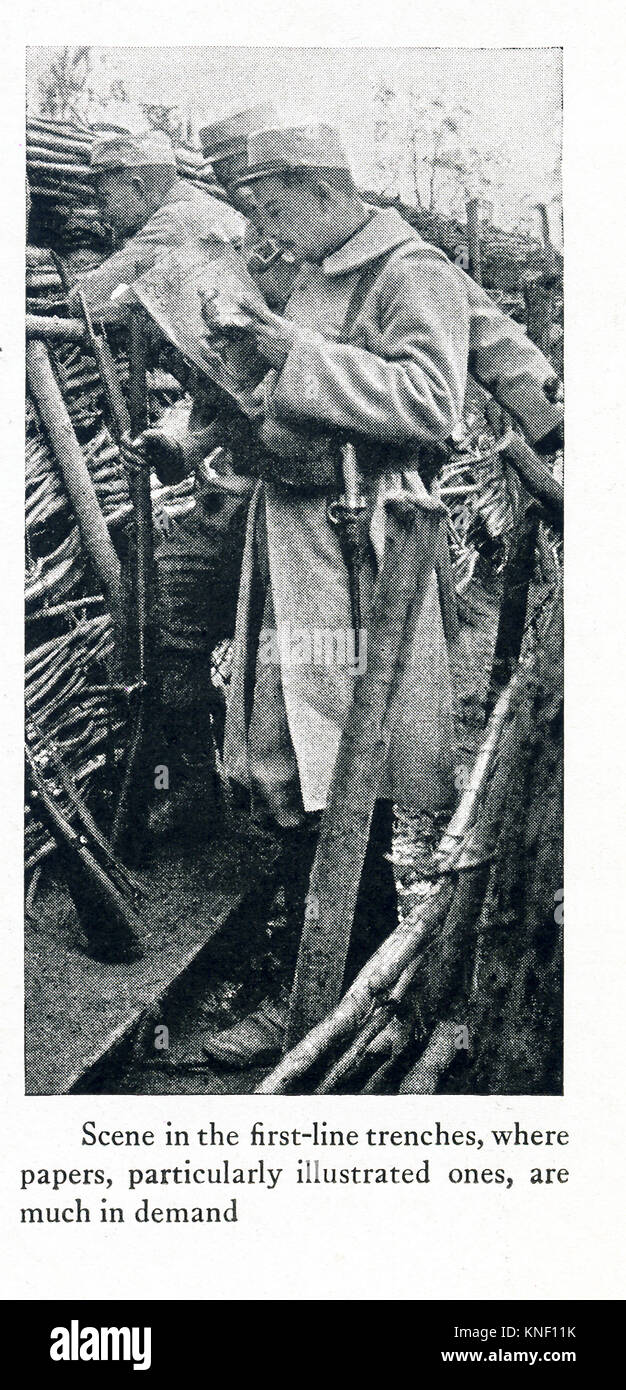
point(131, 808)
point(120, 875)
point(107, 371)
point(110, 922)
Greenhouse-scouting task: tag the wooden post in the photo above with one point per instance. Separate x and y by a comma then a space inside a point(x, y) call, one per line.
point(545, 225)
point(473, 237)
point(539, 285)
point(539, 481)
point(437, 1058)
point(517, 578)
point(55, 329)
point(538, 291)
point(93, 529)
point(144, 581)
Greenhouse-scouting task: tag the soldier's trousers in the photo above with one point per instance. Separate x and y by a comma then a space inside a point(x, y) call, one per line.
point(198, 566)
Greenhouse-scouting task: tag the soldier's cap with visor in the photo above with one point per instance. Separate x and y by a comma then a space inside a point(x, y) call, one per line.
point(294, 148)
point(115, 152)
point(226, 141)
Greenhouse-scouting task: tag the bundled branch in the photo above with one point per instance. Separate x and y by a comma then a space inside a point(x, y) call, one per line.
point(506, 256)
point(57, 574)
point(66, 673)
point(102, 891)
point(483, 496)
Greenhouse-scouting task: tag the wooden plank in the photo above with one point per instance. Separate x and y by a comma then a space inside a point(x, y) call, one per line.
point(514, 605)
point(538, 479)
point(220, 913)
point(473, 237)
point(362, 755)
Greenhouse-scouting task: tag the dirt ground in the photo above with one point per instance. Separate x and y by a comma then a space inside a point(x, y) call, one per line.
point(77, 1004)
point(73, 1011)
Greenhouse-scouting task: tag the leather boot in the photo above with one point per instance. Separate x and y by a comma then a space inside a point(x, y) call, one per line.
point(259, 1038)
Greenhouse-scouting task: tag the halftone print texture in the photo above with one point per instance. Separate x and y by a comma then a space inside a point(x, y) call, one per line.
point(294, 676)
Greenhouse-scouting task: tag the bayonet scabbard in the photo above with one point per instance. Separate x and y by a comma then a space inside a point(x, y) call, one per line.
point(346, 514)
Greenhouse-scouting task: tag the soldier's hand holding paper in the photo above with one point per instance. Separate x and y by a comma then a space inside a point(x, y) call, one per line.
point(274, 335)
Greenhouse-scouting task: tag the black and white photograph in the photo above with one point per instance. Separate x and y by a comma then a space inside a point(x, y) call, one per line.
point(312, 692)
point(294, 571)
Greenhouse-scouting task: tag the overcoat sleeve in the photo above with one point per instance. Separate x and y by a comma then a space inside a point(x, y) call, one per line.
point(505, 360)
point(408, 383)
point(163, 231)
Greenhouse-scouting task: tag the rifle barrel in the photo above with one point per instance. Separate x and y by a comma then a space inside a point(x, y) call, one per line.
point(113, 394)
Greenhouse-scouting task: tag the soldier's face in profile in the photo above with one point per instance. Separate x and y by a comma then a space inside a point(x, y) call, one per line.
point(122, 201)
point(299, 216)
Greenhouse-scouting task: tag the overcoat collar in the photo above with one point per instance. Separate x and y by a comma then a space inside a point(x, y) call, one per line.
point(384, 231)
point(181, 190)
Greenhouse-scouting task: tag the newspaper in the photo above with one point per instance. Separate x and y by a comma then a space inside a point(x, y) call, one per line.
point(199, 295)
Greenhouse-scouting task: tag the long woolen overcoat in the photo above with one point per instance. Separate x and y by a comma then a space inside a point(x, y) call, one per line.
point(393, 379)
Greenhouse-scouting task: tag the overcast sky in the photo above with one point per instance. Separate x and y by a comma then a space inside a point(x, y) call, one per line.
point(514, 94)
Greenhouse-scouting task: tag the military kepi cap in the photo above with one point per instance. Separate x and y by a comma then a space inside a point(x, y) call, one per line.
point(132, 152)
point(229, 137)
point(274, 151)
